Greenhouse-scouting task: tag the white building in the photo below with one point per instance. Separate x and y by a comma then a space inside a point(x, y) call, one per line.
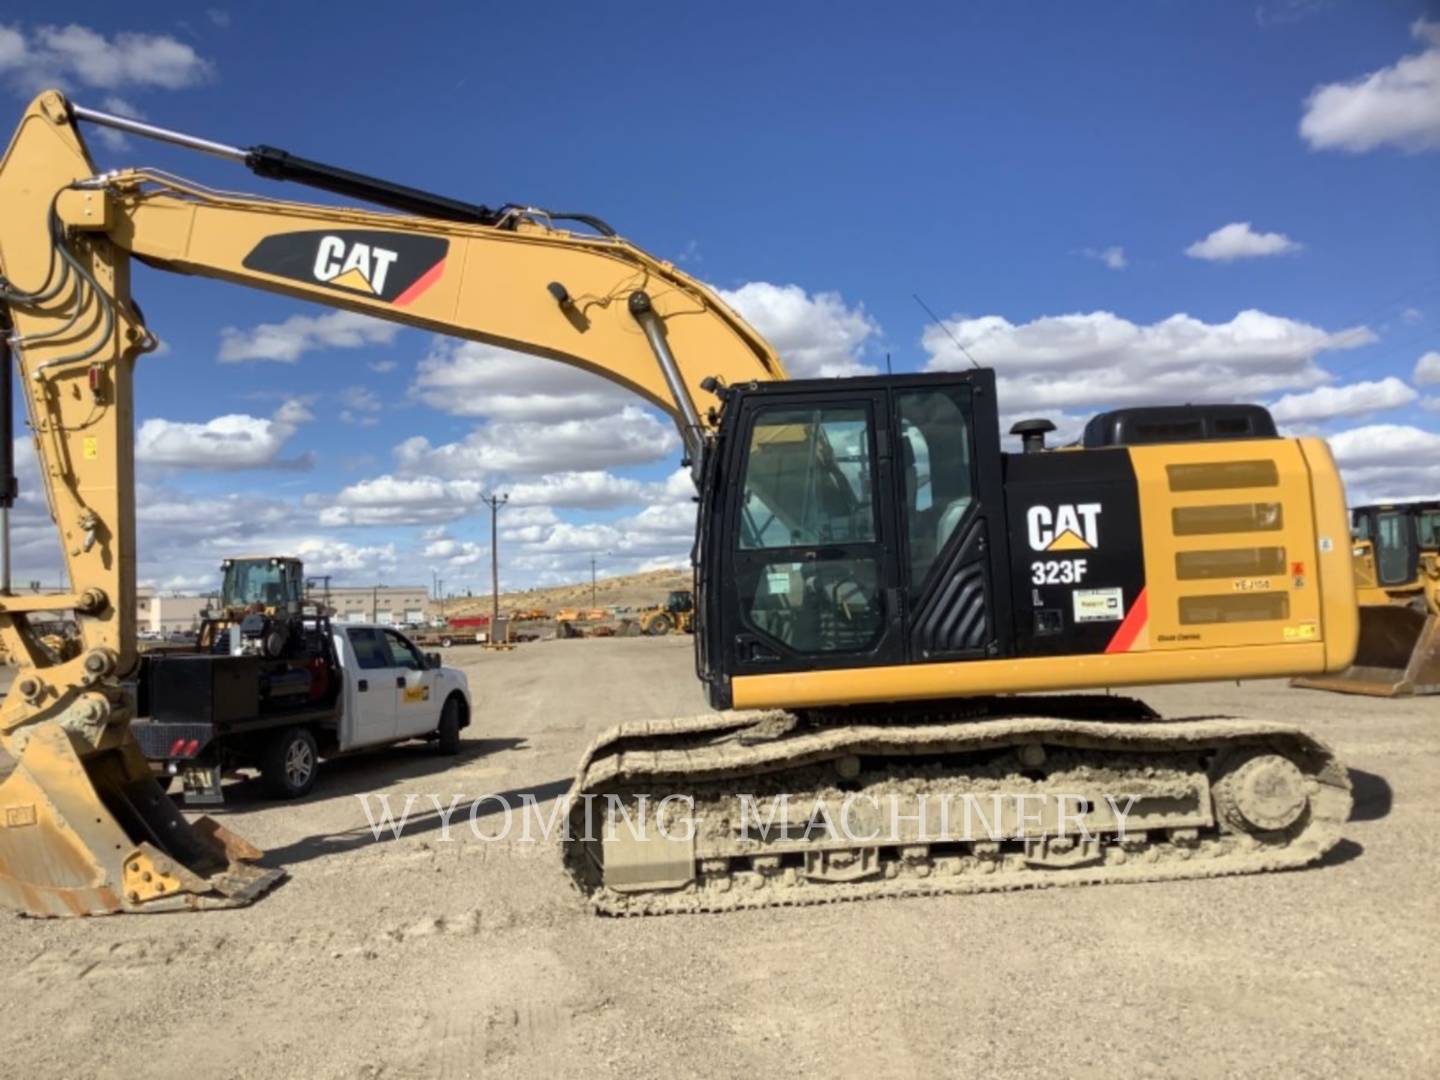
point(397, 604)
point(166, 614)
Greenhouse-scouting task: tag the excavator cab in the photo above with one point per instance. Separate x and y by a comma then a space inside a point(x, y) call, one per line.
point(1397, 583)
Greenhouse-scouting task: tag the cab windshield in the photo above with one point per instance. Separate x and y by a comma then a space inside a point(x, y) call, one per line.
point(256, 583)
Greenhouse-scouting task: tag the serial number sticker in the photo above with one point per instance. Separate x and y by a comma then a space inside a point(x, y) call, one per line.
point(1099, 605)
point(1303, 632)
point(1252, 584)
point(1327, 545)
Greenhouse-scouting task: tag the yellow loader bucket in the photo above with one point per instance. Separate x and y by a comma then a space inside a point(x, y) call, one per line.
point(97, 836)
point(1398, 655)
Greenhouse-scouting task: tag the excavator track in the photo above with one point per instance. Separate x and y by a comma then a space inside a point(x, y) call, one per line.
point(1211, 797)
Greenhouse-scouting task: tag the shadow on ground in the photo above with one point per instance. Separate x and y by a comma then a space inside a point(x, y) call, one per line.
point(369, 770)
point(1341, 853)
point(424, 818)
point(1373, 796)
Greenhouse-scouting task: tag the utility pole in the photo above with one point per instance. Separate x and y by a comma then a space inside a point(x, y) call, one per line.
point(324, 580)
point(495, 502)
point(592, 581)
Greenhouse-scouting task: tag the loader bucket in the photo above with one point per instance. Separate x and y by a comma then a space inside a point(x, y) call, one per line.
point(97, 836)
point(1398, 655)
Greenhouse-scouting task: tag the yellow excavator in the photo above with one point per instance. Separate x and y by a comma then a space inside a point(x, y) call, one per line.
point(878, 587)
point(1396, 555)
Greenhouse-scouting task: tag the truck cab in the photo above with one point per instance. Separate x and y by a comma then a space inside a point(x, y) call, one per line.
point(391, 690)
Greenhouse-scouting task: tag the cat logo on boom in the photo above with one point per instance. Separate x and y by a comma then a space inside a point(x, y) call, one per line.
point(357, 266)
point(1067, 527)
point(393, 267)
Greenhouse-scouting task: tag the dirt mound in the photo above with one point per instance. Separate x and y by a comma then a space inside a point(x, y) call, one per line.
point(632, 590)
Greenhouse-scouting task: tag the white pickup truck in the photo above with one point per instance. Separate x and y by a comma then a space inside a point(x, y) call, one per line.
point(364, 686)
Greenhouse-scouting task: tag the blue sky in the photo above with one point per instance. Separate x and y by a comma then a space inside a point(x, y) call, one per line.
point(1109, 204)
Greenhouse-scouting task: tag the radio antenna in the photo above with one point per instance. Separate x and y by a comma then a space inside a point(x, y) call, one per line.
point(936, 320)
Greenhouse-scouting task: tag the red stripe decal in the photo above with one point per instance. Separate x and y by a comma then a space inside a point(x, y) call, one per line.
point(1129, 629)
point(421, 284)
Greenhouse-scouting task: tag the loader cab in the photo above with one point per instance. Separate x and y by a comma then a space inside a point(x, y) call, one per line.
point(271, 583)
point(1393, 531)
point(850, 524)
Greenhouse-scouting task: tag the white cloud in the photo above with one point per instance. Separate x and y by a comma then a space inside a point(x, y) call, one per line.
point(324, 555)
point(1099, 359)
point(360, 405)
point(592, 489)
point(1112, 257)
point(397, 500)
point(1388, 461)
point(815, 335)
point(633, 436)
point(74, 55)
point(1330, 402)
point(466, 378)
point(287, 341)
point(382, 367)
point(1239, 241)
point(1427, 369)
point(233, 441)
point(1397, 106)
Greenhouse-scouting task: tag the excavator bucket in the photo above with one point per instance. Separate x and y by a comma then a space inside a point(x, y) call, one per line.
point(97, 836)
point(1398, 655)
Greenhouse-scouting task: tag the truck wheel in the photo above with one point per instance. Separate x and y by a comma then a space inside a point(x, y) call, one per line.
point(448, 733)
point(290, 763)
point(446, 642)
point(659, 626)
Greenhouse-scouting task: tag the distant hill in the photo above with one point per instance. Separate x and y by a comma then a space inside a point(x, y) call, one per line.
point(632, 591)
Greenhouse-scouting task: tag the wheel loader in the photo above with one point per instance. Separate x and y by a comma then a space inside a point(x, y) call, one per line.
point(676, 615)
point(889, 608)
point(1396, 554)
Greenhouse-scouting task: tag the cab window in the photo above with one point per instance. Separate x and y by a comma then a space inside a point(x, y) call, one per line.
point(808, 479)
point(1430, 530)
point(403, 653)
point(810, 484)
point(369, 648)
point(937, 484)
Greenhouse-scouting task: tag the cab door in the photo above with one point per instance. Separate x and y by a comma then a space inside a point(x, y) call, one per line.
point(416, 710)
point(373, 690)
point(811, 575)
point(949, 499)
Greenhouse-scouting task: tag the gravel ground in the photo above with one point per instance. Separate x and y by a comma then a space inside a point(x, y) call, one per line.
point(415, 957)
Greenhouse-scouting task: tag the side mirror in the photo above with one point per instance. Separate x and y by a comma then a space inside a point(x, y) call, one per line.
point(433, 660)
